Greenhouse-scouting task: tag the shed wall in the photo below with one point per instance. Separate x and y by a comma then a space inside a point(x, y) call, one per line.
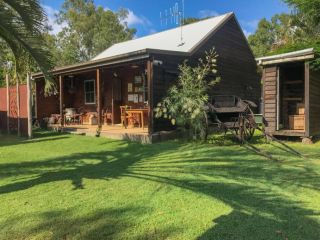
point(314, 102)
point(270, 98)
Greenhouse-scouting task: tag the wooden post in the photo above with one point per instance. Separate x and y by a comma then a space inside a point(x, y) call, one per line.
point(18, 106)
point(61, 99)
point(307, 98)
point(29, 105)
point(112, 101)
point(8, 103)
point(150, 94)
point(98, 79)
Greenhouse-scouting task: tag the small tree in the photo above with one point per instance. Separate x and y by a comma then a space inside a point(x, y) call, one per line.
point(185, 103)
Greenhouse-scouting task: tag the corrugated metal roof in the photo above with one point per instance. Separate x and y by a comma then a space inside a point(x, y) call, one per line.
point(170, 40)
point(286, 56)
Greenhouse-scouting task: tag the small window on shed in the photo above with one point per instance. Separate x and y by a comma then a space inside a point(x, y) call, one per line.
point(89, 91)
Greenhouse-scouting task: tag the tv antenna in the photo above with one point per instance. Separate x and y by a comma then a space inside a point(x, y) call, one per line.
point(174, 16)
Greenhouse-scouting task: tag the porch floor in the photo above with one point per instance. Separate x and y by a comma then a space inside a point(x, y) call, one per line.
point(290, 133)
point(108, 131)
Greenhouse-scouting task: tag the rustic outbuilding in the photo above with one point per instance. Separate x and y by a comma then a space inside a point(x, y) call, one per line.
point(291, 94)
point(124, 83)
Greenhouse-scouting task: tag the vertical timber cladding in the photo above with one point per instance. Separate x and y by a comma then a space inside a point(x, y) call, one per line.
point(165, 74)
point(13, 109)
point(236, 62)
point(314, 102)
point(270, 98)
point(45, 105)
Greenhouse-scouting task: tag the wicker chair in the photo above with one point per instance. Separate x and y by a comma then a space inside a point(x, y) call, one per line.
point(107, 116)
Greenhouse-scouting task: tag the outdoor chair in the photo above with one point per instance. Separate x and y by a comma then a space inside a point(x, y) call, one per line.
point(107, 116)
point(125, 118)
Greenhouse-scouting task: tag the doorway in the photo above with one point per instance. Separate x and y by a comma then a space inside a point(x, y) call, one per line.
point(291, 97)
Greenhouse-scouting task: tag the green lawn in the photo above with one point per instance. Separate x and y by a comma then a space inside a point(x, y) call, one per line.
point(74, 187)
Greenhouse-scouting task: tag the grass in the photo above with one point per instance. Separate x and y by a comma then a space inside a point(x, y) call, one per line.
point(73, 187)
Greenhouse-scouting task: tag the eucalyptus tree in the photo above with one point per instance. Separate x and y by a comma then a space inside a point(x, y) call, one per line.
point(88, 30)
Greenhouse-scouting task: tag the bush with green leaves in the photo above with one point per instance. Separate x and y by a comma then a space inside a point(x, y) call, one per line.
point(185, 103)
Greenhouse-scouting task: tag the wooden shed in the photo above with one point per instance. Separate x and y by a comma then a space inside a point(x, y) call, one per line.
point(291, 94)
point(136, 75)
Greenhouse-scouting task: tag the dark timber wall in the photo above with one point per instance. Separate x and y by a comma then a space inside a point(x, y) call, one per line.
point(236, 63)
point(314, 102)
point(164, 76)
point(236, 66)
point(269, 110)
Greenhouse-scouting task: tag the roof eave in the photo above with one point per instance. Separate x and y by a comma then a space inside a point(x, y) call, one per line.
point(301, 55)
point(142, 54)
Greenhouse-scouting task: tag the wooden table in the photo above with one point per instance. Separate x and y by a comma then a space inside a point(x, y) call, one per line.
point(140, 112)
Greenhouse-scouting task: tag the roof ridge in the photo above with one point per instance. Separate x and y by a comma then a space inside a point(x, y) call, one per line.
point(223, 16)
point(171, 29)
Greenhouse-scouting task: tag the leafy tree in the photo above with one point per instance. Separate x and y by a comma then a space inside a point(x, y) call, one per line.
point(310, 8)
point(185, 103)
point(189, 20)
point(272, 34)
point(21, 27)
point(89, 31)
point(290, 32)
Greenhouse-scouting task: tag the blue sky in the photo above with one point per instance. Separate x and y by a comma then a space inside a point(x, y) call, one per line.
point(144, 15)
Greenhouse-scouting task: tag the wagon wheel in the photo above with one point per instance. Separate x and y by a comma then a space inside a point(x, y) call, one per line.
point(248, 124)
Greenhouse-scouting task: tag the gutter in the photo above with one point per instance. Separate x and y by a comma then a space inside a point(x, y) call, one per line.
point(286, 57)
point(138, 55)
point(128, 57)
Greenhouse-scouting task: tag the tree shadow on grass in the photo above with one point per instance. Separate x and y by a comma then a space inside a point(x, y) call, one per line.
point(110, 223)
point(258, 211)
point(103, 165)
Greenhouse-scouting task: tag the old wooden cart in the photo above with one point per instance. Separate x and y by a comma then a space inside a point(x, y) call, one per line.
point(230, 113)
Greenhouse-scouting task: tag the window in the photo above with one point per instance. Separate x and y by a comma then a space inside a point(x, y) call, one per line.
point(89, 92)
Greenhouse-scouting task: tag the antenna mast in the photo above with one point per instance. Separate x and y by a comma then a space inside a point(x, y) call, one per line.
point(175, 17)
point(182, 22)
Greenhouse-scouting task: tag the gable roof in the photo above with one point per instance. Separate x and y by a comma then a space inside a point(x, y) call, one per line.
point(193, 35)
point(169, 42)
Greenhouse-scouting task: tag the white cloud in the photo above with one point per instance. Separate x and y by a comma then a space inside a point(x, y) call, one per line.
point(207, 13)
point(51, 12)
point(247, 33)
point(133, 19)
point(253, 24)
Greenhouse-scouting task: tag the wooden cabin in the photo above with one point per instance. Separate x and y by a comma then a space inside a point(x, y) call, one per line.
point(291, 94)
point(136, 75)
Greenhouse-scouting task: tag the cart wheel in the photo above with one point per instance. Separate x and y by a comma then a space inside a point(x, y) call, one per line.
point(248, 129)
point(249, 124)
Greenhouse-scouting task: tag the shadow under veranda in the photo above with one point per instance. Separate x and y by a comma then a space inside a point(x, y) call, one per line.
point(38, 136)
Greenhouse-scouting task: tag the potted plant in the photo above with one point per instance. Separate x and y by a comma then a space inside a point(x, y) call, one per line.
point(98, 131)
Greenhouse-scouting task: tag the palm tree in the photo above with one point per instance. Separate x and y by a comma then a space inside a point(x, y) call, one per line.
point(22, 23)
